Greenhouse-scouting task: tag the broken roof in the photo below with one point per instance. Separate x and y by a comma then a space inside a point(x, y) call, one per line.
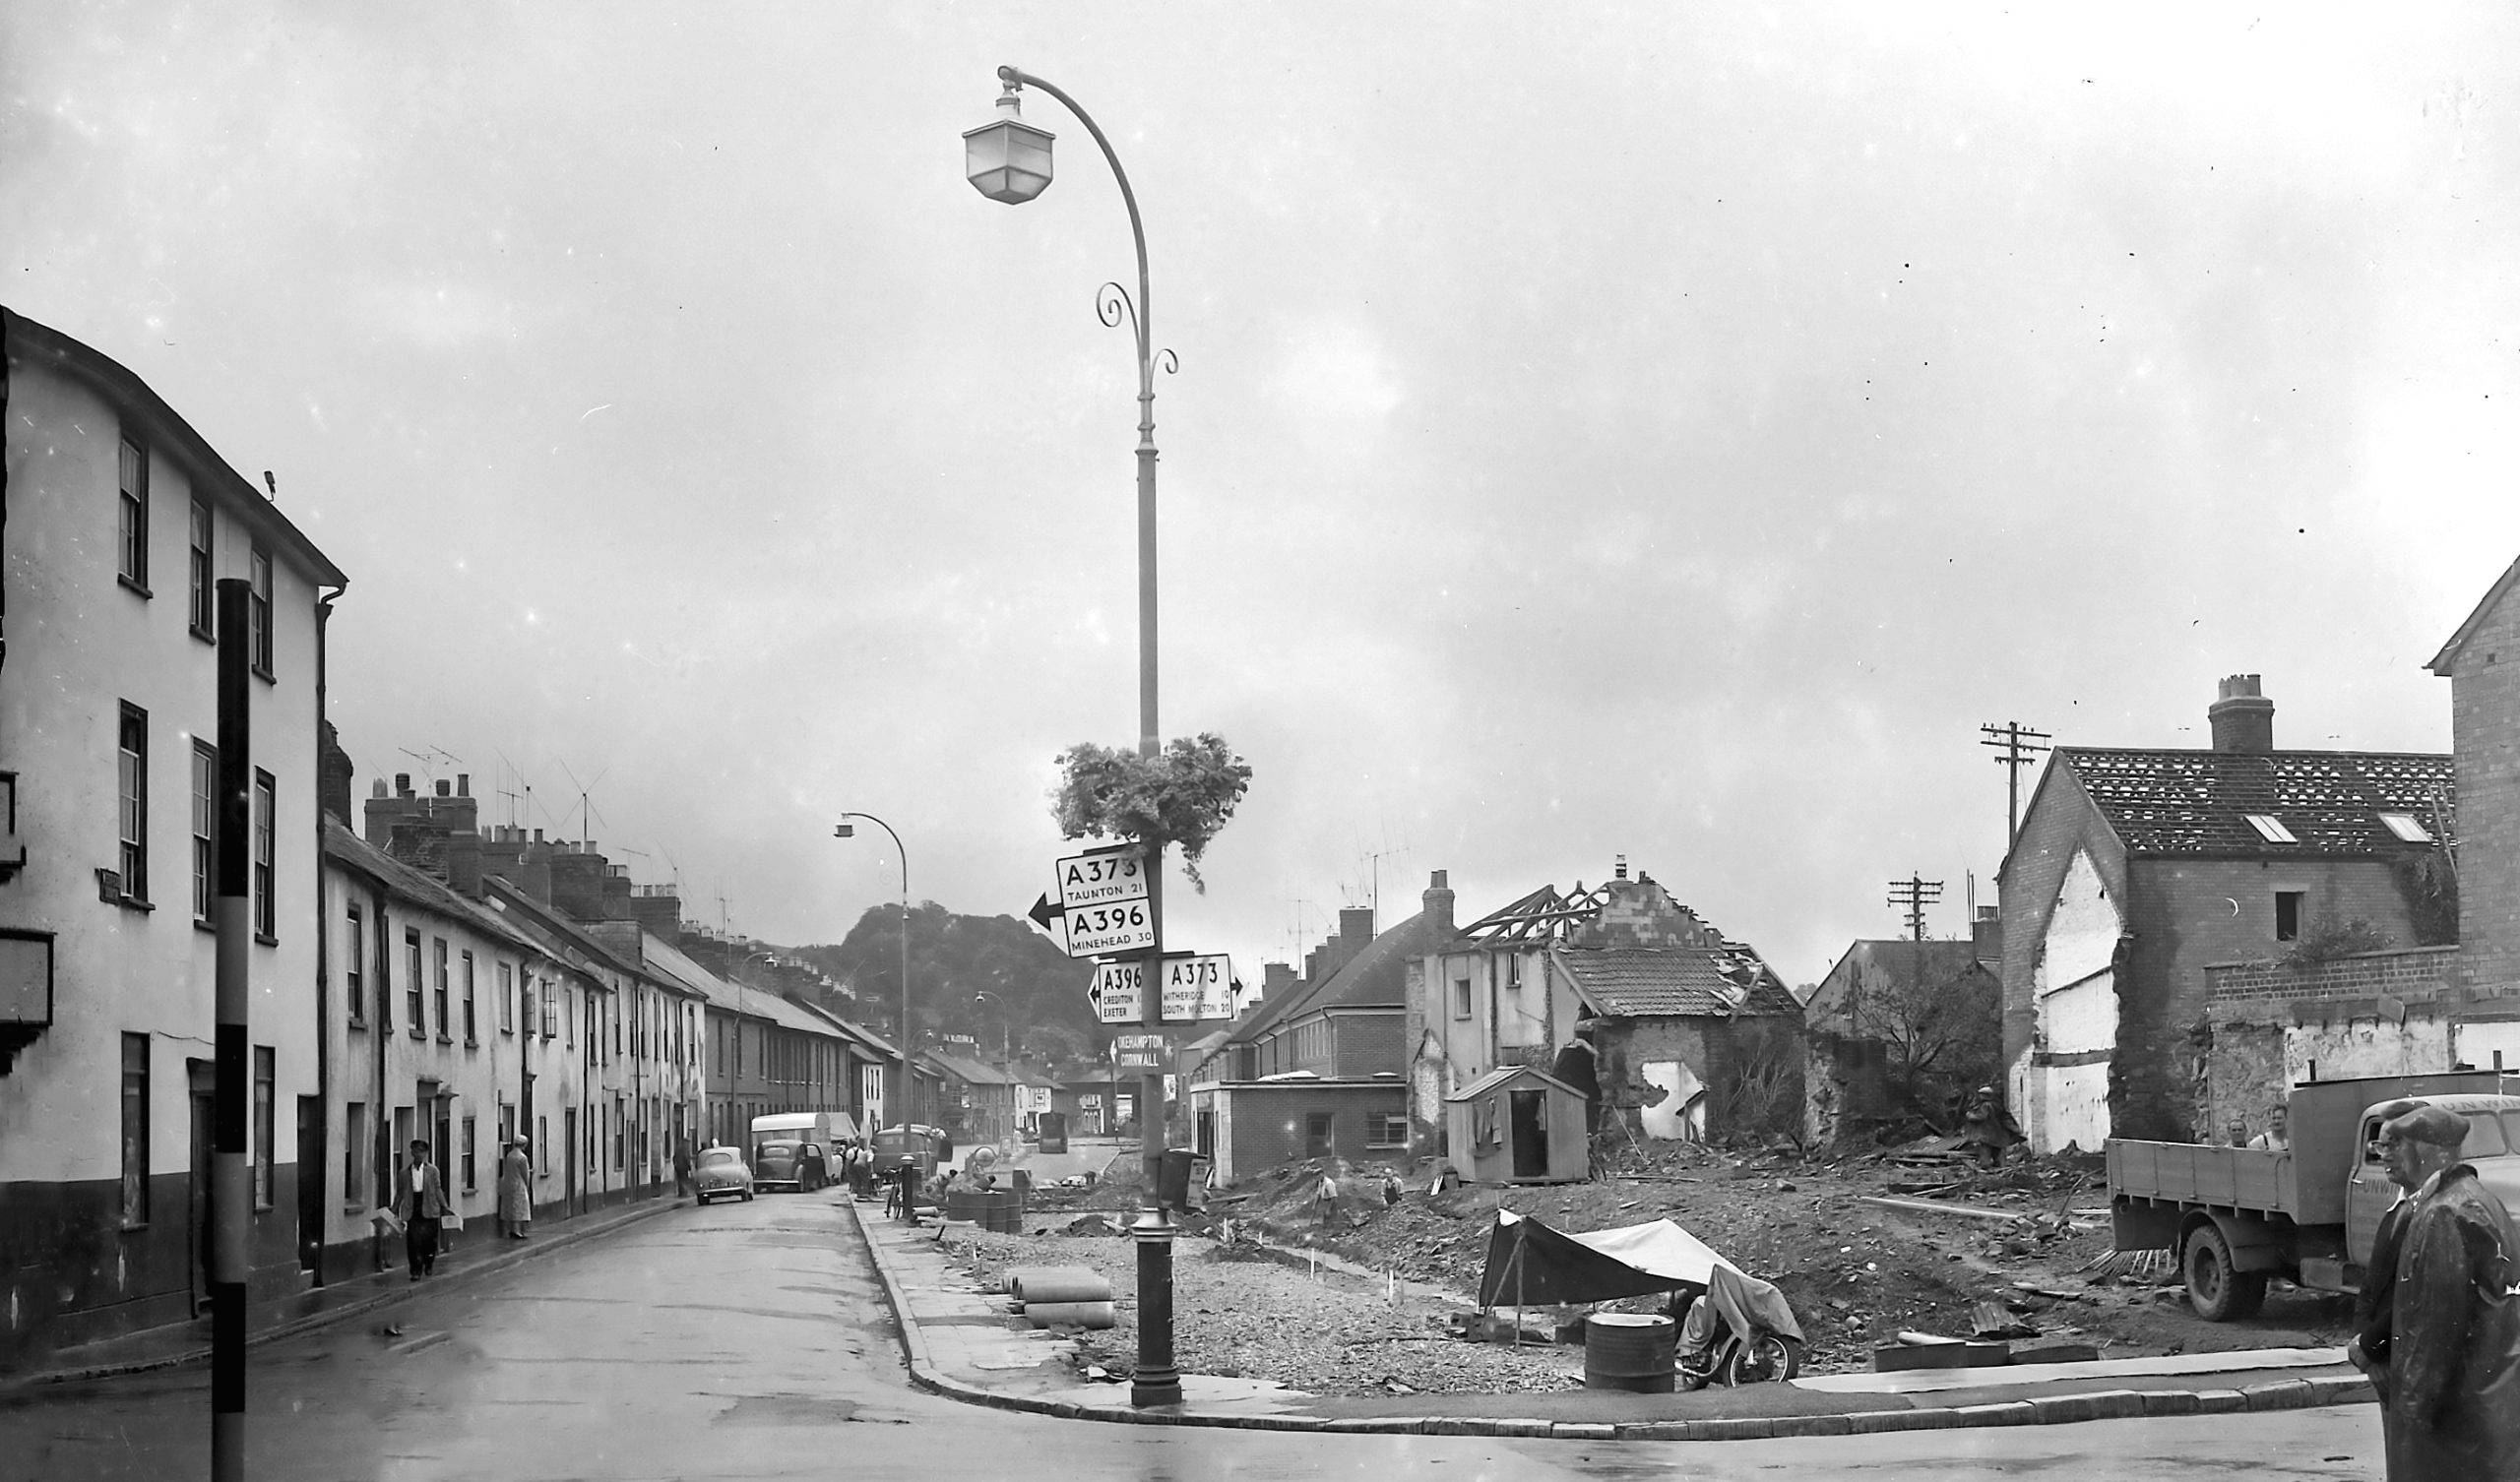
point(1543, 915)
point(1643, 982)
point(2164, 801)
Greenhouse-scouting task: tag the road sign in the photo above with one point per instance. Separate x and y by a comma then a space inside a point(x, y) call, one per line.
point(1099, 877)
point(1196, 988)
point(1140, 1052)
point(1114, 992)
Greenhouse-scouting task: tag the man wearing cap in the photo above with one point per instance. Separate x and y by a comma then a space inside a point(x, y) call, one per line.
point(2454, 1347)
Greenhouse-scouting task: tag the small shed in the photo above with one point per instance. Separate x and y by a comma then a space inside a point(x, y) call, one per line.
point(1517, 1125)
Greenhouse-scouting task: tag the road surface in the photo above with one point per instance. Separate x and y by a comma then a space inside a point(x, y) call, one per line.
point(750, 1340)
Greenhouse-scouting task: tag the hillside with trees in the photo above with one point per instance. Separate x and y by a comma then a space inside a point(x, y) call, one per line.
point(1037, 991)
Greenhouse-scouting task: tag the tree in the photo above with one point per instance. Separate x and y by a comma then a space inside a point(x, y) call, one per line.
point(1944, 1029)
point(1182, 795)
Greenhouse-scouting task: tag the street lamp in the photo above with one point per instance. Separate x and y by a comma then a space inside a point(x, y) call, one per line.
point(847, 831)
point(1008, 159)
point(1005, 1055)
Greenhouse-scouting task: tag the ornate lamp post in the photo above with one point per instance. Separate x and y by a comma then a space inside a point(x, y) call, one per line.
point(847, 830)
point(1008, 159)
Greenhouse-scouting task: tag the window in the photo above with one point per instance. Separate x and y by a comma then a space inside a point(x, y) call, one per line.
point(617, 1131)
point(134, 1131)
point(445, 1023)
point(353, 954)
point(1514, 970)
point(507, 999)
point(266, 844)
point(258, 612)
point(266, 1077)
point(469, 1183)
point(470, 1035)
point(133, 810)
point(2287, 915)
point(2404, 825)
point(135, 514)
point(542, 1140)
point(1461, 997)
point(412, 1000)
point(205, 790)
point(1387, 1132)
point(569, 1021)
point(384, 978)
point(2270, 828)
point(201, 605)
point(355, 1155)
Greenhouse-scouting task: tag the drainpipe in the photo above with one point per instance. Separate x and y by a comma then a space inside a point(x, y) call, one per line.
point(323, 947)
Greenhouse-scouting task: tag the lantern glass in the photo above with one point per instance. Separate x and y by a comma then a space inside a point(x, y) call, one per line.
point(1007, 161)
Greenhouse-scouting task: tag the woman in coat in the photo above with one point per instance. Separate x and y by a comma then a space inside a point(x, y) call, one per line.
point(516, 1188)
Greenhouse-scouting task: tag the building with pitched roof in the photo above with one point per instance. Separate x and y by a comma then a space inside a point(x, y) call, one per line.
point(2137, 868)
point(2481, 662)
point(1669, 1027)
point(1315, 1070)
point(120, 520)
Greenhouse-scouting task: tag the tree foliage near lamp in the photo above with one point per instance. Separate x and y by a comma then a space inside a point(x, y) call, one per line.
point(1182, 795)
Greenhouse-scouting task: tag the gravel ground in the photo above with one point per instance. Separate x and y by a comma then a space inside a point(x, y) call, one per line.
point(1334, 1335)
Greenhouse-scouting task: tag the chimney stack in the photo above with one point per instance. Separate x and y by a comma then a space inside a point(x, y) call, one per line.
point(2242, 719)
point(1618, 868)
point(1439, 904)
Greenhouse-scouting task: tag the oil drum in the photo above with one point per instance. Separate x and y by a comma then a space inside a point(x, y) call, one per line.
point(1629, 1351)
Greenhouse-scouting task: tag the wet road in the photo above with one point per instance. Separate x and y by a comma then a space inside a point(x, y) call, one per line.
point(751, 1340)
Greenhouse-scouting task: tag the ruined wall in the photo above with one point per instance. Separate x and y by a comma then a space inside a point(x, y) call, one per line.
point(2271, 1025)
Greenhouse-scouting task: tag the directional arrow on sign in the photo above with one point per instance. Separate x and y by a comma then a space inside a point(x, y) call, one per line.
point(1092, 931)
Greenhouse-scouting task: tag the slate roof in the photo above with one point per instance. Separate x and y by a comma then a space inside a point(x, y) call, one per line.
point(1376, 977)
point(2163, 801)
point(346, 847)
point(1643, 982)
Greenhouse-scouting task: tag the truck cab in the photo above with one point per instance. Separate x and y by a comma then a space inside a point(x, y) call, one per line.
point(2492, 1147)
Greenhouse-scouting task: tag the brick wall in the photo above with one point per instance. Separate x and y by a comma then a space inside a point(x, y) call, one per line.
point(2244, 990)
point(2271, 1025)
point(2188, 914)
point(1370, 1044)
point(2485, 733)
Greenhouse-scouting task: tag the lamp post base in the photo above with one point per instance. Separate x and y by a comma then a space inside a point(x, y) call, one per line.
point(1157, 1381)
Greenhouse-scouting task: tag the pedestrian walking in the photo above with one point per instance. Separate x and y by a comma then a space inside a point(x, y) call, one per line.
point(2453, 1407)
point(421, 1203)
point(681, 1167)
point(516, 1188)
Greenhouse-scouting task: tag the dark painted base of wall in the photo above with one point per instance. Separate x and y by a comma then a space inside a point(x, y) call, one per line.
point(75, 1274)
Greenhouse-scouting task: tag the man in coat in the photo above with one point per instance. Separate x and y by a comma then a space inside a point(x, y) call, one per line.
point(421, 1203)
point(2374, 1302)
point(2454, 1346)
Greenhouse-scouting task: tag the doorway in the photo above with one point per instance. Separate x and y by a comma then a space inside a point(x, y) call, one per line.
point(1530, 1113)
point(312, 1161)
point(1316, 1134)
point(199, 1078)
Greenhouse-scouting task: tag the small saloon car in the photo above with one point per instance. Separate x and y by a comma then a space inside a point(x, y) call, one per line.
point(721, 1174)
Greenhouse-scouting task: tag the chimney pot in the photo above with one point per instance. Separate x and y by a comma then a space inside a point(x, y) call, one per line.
point(1619, 869)
point(445, 790)
point(376, 789)
point(464, 784)
point(402, 784)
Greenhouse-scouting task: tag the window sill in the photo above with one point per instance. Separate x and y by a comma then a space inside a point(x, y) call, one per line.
point(133, 583)
point(133, 903)
point(205, 634)
point(264, 675)
point(419, 1033)
point(446, 1040)
point(359, 1024)
point(471, 1043)
point(210, 927)
point(267, 939)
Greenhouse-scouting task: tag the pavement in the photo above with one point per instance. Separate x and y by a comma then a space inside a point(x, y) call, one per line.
point(969, 1344)
point(475, 1252)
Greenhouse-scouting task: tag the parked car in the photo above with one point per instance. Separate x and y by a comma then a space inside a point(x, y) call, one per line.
point(721, 1173)
point(787, 1165)
point(920, 1143)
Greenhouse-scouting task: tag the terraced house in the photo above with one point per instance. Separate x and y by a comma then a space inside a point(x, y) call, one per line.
point(119, 520)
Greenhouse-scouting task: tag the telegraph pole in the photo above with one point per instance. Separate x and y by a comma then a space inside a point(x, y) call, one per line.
point(1915, 894)
point(2016, 745)
point(233, 918)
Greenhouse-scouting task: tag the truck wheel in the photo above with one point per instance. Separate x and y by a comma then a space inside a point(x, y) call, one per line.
point(2219, 1294)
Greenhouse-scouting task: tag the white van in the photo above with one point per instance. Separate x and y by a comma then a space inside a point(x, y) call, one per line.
point(775, 1151)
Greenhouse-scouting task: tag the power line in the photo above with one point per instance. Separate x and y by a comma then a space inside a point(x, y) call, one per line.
point(2016, 746)
point(1916, 894)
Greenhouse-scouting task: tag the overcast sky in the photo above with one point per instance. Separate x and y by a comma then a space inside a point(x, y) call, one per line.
point(1600, 430)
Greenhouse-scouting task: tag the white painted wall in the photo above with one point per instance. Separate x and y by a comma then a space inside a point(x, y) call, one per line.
point(2074, 1001)
point(2369, 1047)
point(2478, 1044)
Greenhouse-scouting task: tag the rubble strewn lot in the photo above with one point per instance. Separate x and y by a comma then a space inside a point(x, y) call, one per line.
point(1857, 1274)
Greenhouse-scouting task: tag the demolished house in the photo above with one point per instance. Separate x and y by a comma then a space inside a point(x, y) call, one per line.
point(1673, 1030)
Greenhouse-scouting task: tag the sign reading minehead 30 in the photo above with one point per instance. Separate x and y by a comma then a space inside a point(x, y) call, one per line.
point(1101, 906)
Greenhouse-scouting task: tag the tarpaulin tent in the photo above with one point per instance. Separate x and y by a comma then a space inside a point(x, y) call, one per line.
point(1531, 1265)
